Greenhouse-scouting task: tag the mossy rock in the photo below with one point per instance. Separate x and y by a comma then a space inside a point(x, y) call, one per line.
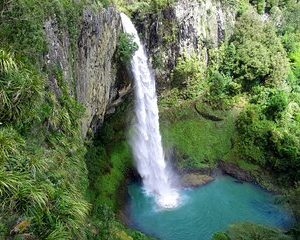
point(195, 179)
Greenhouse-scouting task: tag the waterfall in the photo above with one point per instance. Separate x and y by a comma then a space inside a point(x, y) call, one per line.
point(146, 139)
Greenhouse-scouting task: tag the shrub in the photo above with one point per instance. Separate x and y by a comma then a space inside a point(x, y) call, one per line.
point(255, 55)
point(218, 84)
point(220, 88)
point(291, 17)
point(295, 58)
point(268, 133)
point(261, 4)
point(188, 76)
point(276, 105)
point(126, 47)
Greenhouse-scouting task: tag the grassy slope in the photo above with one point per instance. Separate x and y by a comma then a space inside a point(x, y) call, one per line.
point(43, 177)
point(200, 141)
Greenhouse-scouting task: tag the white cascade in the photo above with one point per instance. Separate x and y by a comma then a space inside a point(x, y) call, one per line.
point(146, 139)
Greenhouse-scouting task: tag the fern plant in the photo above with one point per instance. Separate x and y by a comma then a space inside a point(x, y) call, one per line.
point(7, 62)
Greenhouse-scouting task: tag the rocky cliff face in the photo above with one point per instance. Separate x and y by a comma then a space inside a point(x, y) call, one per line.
point(58, 55)
point(90, 70)
point(189, 27)
point(96, 78)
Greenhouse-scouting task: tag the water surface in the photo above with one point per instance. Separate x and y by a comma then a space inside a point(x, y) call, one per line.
point(206, 210)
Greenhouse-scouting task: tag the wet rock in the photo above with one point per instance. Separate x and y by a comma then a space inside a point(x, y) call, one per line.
point(195, 180)
point(236, 172)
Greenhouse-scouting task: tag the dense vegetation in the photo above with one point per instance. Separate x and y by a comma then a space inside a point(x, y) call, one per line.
point(43, 177)
point(44, 180)
point(268, 127)
point(251, 81)
point(244, 231)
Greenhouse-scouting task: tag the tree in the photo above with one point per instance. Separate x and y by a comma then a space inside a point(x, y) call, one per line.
point(255, 55)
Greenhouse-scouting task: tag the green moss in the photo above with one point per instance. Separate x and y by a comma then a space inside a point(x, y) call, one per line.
point(107, 184)
point(109, 160)
point(201, 142)
point(255, 231)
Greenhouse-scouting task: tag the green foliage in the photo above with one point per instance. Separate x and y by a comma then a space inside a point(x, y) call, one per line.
point(42, 172)
point(268, 6)
point(21, 23)
point(188, 76)
point(291, 17)
point(19, 91)
point(10, 143)
point(143, 6)
point(255, 55)
point(126, 47)
point(7, 62)
point(295, 57)
point(247, 231)
point(243, 6)
point(108, 184)
point(105, 227)
point(160, 4)
point(171, 98)
point(220, 236)
point(269, 134)
point(220, 87)
point(200, 142)
point(276, 104)
point(41, 201)
point(261, 4)
point(109, 160)
point(255, 132)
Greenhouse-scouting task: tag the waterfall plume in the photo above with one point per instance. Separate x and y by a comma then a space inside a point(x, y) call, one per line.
point(146, 139)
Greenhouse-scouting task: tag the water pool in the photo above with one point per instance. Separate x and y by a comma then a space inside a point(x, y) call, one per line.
point(205, 210)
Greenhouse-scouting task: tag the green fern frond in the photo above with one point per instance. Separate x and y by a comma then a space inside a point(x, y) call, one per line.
point(10, 143)
point(59, 233)
point(7, 62)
